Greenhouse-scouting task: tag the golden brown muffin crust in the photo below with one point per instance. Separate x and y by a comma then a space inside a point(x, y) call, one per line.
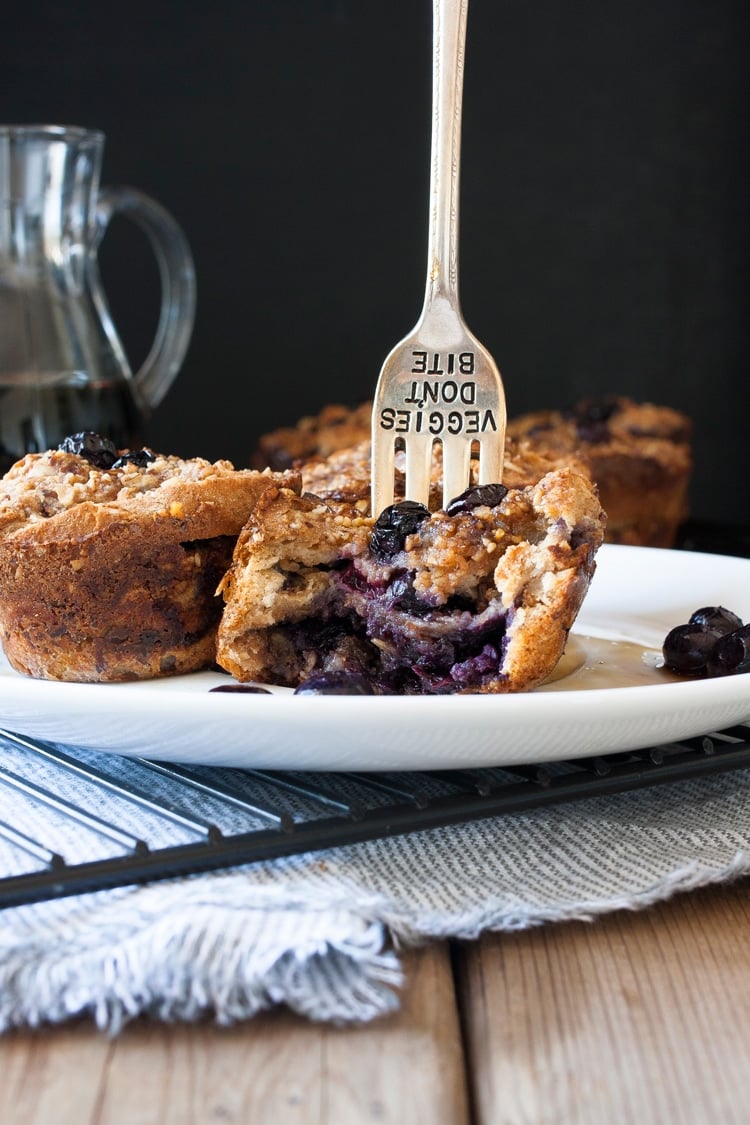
point(111, 574)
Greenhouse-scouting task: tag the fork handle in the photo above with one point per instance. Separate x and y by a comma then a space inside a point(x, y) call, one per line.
point(448, 51)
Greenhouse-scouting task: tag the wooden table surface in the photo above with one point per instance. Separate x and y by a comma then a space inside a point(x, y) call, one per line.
point(637, 1017)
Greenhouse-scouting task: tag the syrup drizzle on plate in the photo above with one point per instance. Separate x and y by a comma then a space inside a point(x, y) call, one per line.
point(592, 662)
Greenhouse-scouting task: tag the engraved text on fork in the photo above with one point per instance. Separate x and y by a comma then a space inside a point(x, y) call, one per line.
point(429, 404)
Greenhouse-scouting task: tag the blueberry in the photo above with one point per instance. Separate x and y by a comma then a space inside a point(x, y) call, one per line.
point(97, 450)
point(238, 689)
point(731, 654)
point(402, 595)
point(337, 683)
point(137, 457)
point(393, 525)
point(591, 417)
point(597, 409)
point(713, 642)
point(716, 619)
point(484, 494)
point(687, 649)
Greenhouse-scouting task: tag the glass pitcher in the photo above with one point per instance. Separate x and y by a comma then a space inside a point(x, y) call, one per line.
point(63, 368)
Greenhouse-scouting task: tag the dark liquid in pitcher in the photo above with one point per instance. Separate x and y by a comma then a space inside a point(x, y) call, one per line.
point(37, 415)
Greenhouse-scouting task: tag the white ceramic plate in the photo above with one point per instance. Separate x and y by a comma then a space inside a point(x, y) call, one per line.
point(636, 596)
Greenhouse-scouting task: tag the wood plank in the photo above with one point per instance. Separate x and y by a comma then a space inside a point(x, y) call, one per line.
point(635, 1017)
point(276, 1069)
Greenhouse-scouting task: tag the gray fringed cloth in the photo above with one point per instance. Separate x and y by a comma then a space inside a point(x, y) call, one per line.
point(321, 932)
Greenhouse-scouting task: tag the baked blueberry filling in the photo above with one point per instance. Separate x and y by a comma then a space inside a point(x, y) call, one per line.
point(401, 595)
point(446, 648)
point(385, 634)
point(337, 683)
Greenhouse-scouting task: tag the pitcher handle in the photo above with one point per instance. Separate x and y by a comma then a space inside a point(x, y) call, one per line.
point(178, 285)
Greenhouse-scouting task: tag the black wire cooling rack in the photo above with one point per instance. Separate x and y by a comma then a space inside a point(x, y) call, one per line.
point(154, 821)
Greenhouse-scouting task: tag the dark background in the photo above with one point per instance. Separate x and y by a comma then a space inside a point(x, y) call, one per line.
point(604, 220)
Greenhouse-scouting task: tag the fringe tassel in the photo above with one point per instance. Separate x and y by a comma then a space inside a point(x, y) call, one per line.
point(191, 959)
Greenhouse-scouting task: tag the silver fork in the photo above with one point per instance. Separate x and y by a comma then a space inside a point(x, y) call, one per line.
point(439, 383)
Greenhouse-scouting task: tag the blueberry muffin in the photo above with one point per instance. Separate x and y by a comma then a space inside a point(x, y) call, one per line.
point(478, 597)
point(110, 560)
point(315, 435)
point(638, 453)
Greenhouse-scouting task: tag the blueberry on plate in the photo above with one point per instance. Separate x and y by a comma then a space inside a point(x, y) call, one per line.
point(687, 648)
point(712, 642)
point(241, 689)
point(716, 619)
point(731, 654)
